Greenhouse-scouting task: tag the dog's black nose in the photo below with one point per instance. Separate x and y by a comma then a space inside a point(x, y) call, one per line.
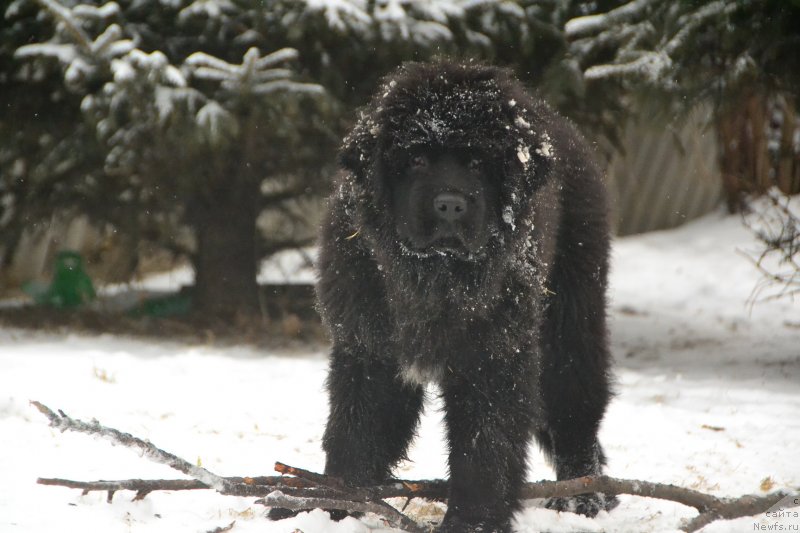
point(450, 206)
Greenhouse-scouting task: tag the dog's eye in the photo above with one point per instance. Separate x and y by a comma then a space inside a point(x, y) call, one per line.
point(418, 161)
point(474, 164)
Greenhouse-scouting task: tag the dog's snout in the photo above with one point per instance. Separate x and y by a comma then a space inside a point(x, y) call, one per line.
point(450, 206)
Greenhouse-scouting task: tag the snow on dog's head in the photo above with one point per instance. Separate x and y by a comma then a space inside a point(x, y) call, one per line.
point(443, 168)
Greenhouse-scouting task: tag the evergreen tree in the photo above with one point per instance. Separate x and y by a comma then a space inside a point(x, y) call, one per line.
point(743, 56)
point(182, 122)
point(156, 143)
point(159, 116)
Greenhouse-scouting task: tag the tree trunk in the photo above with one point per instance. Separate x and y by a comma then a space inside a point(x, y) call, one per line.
point(225, 262)
point(787, 175)
point(757, 147)
point(744, 160)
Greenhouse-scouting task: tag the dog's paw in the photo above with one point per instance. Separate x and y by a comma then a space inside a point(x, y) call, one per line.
point(453, 524)
point(278, 513)
point(585, 504)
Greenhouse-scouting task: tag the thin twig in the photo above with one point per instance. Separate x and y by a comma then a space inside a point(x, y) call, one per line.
point(313, 477)
point(259, 484)
point(435, 489)
point(65, 423)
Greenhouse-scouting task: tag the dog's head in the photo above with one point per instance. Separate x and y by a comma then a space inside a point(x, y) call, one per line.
point(441, 168)
point(449, 152)
point(444, 202)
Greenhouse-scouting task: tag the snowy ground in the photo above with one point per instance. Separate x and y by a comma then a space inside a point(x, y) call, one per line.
point(708, 398)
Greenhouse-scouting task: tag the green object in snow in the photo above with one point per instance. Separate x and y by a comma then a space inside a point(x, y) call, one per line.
point(71, 284)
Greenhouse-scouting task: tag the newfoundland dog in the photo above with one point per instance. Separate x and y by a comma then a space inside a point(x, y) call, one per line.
point(466, 245)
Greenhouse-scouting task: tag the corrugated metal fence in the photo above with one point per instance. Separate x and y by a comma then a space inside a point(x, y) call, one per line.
point(665, 176)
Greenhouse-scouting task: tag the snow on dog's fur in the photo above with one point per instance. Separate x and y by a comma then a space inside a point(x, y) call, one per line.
point(466, 243)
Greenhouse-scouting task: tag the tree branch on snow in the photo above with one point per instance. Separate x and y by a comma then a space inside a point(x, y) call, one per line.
point(65, 423)
point(310, 490)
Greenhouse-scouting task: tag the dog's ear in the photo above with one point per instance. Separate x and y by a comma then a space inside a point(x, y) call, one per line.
point(361, 146)
point(358, 147)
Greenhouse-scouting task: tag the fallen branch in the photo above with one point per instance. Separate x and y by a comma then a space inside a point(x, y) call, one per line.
point(310, 490)
point(393, 516)
point(65, 423)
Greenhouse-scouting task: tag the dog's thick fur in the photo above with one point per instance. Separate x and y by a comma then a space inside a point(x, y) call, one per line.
point(514, 336)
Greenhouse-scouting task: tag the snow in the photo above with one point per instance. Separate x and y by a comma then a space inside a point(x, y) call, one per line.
point(65, 53)
point(651, 65)
point(212, 9)
point(284, 267)
point(77, 70)
point(274, 58)
point(546, 147)
point(631, 24)
point(523, 154)
point(421, 21)
point(253, 75)
point(122, 70)
point(288, 86)
point(201, 59)
point(111, 34)
point(217, 122)
point(153, 61)
point(106, 11)
point(707, 398)
point(508, 217)
point(341, 14)
point(592, 23)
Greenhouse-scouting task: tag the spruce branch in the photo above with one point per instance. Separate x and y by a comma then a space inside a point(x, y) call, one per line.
point(65, 16)
point(632, 20)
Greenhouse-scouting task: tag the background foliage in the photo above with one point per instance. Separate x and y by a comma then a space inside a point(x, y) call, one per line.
point(209, 127)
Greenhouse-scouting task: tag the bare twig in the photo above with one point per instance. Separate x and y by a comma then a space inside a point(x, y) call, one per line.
point(313, 477)
point(294, 497)
point(310, 490)
point(262, 486)
point(150, 485)
point(775, 222)
point(729, 509)
point(64, 423)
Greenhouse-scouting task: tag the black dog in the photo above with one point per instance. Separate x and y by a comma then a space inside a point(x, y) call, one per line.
point(466, 244)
